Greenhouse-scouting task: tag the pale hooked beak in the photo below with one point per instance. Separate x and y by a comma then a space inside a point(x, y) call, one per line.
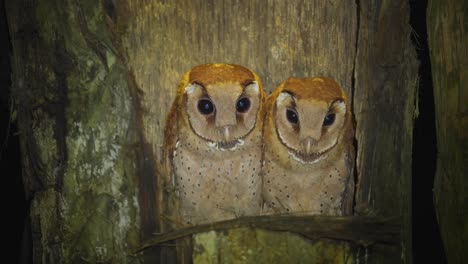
point(227, 133)
point(307, 144)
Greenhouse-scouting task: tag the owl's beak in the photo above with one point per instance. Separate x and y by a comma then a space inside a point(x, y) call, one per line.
point(227, 133)
point(307, 144)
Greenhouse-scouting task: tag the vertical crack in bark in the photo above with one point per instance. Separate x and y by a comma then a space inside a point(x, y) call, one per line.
point(147, 174)
point(353, 90)
point(356, 49)
point(424, 148)
point(63, 65)
point(148, 194)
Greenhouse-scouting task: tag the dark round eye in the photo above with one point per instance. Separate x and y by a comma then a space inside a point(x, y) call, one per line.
point(292, 116)
point(329, 119)
point(205, 106)
point(243, 105)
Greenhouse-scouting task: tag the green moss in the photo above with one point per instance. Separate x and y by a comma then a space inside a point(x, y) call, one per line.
point(100, 213)
point(205, 247)
point(44, 133)
point(246, 245)
point(99, 209)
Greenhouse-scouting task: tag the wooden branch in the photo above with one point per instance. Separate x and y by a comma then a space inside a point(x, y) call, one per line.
point(358, 229)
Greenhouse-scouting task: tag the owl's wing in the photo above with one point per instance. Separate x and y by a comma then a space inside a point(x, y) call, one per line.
point(348, 194)
point(170, 140)
point(168, 201)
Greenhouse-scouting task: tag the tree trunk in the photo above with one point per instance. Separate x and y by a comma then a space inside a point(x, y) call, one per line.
point(78, 129)
point(448, 37)
point(94, 80)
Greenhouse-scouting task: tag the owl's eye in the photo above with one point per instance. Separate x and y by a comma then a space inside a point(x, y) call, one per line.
point(205, 106)
point(329, 119)
point(243, 105)
point(292, 116)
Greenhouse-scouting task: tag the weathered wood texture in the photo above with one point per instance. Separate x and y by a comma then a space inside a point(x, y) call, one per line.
point(384, 106)
point(447, 27)
point(93, 82)
point(77, 132)
point(276, 39)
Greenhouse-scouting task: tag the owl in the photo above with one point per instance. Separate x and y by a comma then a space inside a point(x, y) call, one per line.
point(213, 143)
point(309, 152)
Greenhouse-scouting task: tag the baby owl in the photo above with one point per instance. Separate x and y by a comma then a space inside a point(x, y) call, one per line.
point(213, 143)
point(309, 153)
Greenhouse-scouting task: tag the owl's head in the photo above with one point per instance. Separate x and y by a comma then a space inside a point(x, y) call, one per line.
point(308, 115)
point(221, 103)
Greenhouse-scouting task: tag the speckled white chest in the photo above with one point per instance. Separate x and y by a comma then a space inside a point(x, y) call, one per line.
point(305, 188)
point(214, 184)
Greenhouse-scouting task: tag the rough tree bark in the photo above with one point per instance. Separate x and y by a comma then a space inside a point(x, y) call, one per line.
point(78, 132)
point(94, 80)
point(447, 29)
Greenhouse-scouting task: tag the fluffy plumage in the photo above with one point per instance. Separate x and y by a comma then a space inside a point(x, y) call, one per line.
point(213, 143)
point(309, 153)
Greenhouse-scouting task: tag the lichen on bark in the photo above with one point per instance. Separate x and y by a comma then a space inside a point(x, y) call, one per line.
point(76, 110)
point(255, 246)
